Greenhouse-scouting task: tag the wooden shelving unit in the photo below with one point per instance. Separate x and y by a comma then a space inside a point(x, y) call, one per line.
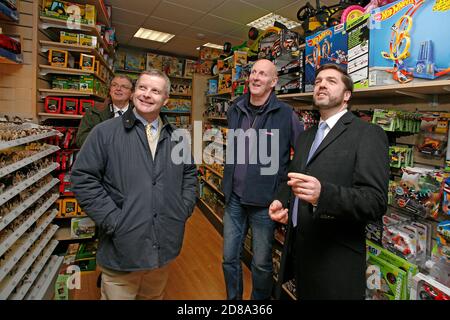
point(67, 93)
point(46, 69)
point(46, 45)
point(59, 116)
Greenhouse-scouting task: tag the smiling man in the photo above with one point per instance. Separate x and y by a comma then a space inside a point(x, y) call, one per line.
point(338, 180)
point(125, 180)
point(115, 105)
point(248, 192)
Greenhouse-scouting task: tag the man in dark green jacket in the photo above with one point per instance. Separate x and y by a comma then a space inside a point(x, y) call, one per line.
point(115, 105)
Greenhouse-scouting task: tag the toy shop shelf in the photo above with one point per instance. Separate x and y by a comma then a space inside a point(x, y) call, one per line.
point(421, 90)
point(180, 95)
point(127, 71)
point(63, 234)
point(46, 45)
point(10, 283)
point(9, 57)
point(102, 14)
point(20, 249)
point(176, 112)
point(67, 93)
point(16, 166)
point(213, 187)
point(8, 14)
point(216, 95)
point(70, 217)
point(44, 282)
point(178, 77)
point(59, 116)
point(47, 22)
point(211, 210)
point(217, 118)
point(25, 204)
point(12, 238)
point(46, 69)
point(34, 272)
point(213, 171)
point(8, 194)
point(283, 286)
point(18, 142)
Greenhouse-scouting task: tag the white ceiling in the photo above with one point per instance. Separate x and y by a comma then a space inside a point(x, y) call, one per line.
point(195, 22)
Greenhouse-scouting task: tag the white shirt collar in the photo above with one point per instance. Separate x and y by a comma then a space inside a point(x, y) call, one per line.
point(331, 121)
point(155, 122)
point(116, 109)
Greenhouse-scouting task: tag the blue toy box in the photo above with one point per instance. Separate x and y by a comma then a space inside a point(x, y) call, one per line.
point(409, 42)
point(328, 46)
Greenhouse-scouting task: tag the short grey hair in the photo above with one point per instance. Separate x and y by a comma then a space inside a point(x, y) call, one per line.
point(123, 76)
point(156, 73)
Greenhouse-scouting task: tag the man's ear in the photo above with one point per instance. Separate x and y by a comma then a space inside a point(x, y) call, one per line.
point(347, 95)
point(274, 82)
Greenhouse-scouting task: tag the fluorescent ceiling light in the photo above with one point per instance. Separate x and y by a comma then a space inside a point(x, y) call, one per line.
point(153, 35)
point(267, 21)
point(212, 45)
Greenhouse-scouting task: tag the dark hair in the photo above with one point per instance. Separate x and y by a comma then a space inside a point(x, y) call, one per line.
point(348, 82)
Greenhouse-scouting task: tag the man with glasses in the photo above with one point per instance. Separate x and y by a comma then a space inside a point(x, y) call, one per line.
point(115, 105)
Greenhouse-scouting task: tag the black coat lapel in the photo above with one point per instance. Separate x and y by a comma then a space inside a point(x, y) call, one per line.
point(334, 133)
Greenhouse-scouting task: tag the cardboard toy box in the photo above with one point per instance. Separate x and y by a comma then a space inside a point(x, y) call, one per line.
point(384, 281)
point(397, 261)
point(177, 105)
point(154, 61)
point(172, 66)
point(327, 46)
point(358, 51)
point(409, 42)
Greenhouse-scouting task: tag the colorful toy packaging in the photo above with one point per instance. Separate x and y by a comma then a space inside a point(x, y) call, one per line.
point(395, 260)
point(384, 280)
point(328, 46)
point(408, 42)
point(358, 51)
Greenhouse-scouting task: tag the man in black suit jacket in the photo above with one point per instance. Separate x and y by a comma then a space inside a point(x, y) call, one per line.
point(339, 188)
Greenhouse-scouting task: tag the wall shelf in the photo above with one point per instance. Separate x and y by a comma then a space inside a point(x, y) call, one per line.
point(102, 14)
point(420, 90)
point(211, 210)
point(11, 239)
point(213, 187)
point(36, 269)
point(59, 116)
point(213, 171)
point(22, 163)
point(36, 137)
point(46, 69)
point(10, 283)
point(67, 93)
point(27, 203)
point(46, 23)
point(8, 14)
point(44, 281)
point(20, 250)
point(10, 193)
point(46, 45)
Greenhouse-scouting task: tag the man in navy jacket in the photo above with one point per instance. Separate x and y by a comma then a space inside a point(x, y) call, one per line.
point(248, 185)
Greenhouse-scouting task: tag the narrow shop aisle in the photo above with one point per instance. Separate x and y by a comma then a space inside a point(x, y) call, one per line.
point(197, 273)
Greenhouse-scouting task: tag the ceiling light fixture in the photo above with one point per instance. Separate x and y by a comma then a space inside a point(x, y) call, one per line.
point(153, 35)
point(268, 20)
point(212, 45)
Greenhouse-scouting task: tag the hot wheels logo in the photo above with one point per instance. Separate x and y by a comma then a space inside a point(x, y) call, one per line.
point(386, 14)
point(316, 40)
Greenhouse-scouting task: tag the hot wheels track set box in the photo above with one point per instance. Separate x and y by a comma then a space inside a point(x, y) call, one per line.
point(328, 46)
point(409, 42)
